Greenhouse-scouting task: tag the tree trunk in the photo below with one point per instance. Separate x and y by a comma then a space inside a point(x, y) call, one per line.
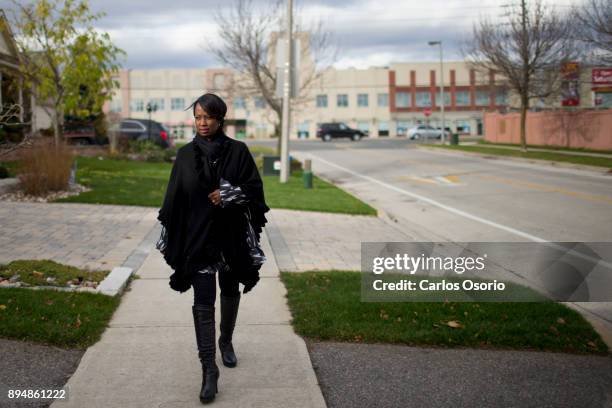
point(56, 130)
point(524, 106)
point(278, 131)
point(57, 125)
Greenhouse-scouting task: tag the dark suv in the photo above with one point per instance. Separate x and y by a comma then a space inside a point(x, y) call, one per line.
point(329, 131)
point(144, 129)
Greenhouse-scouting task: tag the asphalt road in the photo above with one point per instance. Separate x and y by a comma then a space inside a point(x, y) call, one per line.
point(446, 197)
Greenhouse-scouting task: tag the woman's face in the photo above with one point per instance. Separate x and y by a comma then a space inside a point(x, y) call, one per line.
point(205, 124)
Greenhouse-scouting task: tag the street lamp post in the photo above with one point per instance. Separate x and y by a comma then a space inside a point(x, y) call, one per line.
point(442, 136)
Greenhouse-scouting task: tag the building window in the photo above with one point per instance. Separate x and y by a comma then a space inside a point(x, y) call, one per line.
point(159, 102)
point(402, 127)
point(364, 127)
point(177, 104)
point(383, 100)
point(303, 128)
point(423, 99)
point(603, 99)
point(463, 126)
point(402, 100)
point(482, 98)
point(501, 97)
point(462, 98)
point(383, 128)
point(260, 103)
point(342, 100)
point(362, 100)
point(446, 98)
point(137, 105)
point(239, 103)
point(116, 105)
point(321, 101)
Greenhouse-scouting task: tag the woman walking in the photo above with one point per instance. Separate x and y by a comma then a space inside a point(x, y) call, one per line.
point(212, 217)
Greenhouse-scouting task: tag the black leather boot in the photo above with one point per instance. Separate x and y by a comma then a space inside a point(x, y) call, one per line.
point(229, 311)
point(204, 322)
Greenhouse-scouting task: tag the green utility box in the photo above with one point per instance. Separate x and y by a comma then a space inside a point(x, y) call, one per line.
point(454, 139)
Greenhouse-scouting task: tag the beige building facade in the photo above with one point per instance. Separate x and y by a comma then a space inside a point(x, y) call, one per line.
point(382, 101)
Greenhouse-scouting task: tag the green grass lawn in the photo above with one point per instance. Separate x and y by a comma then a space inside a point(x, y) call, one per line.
point(549, 156)
point(64, 319)
point(122, 182)
point(327, 306)
point(49, 316)
point(126, 182)
point(560, 148)
point(323, 196)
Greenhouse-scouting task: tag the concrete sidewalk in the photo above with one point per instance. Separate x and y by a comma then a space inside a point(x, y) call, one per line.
point(148, 356)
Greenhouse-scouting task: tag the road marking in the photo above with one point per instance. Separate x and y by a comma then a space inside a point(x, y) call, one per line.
point(451, 180)
point(549, 189)
point(417, 179)
point(434, 202)
point(463, 213)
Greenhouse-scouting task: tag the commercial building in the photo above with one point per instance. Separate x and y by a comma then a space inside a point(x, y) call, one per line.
point(382, 101)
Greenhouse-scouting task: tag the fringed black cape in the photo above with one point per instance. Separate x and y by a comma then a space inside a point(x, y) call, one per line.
point(195, 231)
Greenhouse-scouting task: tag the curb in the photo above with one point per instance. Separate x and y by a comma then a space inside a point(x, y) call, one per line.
point(116, 281)
point(601, 170)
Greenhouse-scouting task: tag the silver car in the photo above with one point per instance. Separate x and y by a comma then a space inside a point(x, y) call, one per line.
point(425, 132)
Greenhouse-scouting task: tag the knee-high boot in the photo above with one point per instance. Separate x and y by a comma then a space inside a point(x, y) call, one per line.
point(204, 322)
point(229, 311)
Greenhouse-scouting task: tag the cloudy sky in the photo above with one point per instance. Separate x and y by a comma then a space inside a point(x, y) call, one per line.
point(172, 33)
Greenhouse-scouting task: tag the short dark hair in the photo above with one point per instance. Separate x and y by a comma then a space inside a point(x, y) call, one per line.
point(213, 105)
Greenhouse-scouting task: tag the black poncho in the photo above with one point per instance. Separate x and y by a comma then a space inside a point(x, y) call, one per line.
point(195, 231)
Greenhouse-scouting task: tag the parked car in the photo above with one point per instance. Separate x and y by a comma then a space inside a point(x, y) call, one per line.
point(144, 129)
point(329, 131)
point(426, 132)
point(82, 133)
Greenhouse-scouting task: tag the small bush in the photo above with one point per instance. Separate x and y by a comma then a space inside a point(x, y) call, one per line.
point(45, 168)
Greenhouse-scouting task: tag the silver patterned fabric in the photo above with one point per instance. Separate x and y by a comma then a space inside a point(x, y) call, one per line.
point(230, 194)
point(233, 195)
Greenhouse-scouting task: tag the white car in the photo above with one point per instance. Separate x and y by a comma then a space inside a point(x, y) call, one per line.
point(426, 132)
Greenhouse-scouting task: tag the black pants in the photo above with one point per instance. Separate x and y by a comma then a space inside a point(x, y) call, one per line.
point(205, 287)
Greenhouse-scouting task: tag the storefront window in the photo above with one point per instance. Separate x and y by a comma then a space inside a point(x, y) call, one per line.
point(383, 128)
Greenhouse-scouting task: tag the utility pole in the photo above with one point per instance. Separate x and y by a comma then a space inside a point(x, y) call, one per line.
point(439, 43)
point(284, 173)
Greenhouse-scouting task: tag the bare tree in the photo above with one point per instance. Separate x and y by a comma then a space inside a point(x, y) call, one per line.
point(11, 115)
point(527, 50)
point(595, 28)
point(248, 45)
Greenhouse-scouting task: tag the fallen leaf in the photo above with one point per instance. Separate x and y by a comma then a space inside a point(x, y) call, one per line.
point(561, 320)
point(77, 324)
point(2, 307)
point(38, 274)
point(399, 319)
point(592, 344)
point(454, 324)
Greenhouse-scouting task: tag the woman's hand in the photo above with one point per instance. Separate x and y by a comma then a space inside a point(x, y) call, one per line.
point(215, 197)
